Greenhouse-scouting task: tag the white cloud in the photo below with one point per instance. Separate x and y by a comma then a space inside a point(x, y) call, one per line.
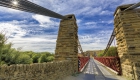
point(94, 24)
point(42, 19)
point(106, 12)
point(94, 11)
point(36, 43)
point(78, 21)
point(129, 1)
point(108, 22)
point(90, 23)
point(12, 30)
point(95, 41)
point(45, 21)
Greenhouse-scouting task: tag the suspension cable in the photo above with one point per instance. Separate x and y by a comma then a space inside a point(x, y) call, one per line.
point(110, 41)
point(25, 5)
point(80, 47)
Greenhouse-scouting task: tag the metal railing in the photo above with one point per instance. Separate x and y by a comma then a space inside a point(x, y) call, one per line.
point(82, 61)
point(111, 62)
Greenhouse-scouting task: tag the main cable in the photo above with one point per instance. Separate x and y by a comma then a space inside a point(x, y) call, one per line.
point(25, 5)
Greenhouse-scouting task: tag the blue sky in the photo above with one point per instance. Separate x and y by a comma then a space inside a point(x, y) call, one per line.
point(39, 33)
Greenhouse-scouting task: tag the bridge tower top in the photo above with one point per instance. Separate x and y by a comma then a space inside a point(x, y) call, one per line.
point(70, 16)
point(122, 7)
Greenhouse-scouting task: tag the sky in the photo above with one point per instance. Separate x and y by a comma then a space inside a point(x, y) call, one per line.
point(33, 32)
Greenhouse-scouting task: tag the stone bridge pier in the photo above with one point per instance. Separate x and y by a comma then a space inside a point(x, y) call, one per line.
point(67, 45)
point(127, 30)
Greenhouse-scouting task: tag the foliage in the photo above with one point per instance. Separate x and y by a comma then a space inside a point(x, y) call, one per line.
point(112, 51)
point(50, 58)
point(100, 53)
point(2, 42)
point(43, 58)
point(46, 57)
point(9, 55)
point(24, 59)
point(36, 58)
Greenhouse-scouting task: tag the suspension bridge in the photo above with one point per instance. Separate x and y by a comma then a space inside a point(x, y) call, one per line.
point(126, 64)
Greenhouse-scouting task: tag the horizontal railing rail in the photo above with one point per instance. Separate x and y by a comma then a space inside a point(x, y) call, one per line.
point(111, 62)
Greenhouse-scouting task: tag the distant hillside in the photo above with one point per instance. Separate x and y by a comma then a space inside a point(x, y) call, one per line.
point(112, 51)
point(94, 52)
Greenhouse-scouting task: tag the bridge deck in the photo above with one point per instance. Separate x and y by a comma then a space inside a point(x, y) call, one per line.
point(95, 71)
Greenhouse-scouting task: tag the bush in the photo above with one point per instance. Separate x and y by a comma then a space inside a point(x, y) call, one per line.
point(50, 58)
point(36, 58)
point(24, 59)
point(43, 58)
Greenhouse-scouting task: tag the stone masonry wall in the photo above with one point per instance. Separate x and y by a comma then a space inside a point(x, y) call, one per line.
point(67, 41)
point(38, 71)
point(127, 30)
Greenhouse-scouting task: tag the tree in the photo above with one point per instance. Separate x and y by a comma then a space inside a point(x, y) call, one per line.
point(46, 57)
point(3, 40)
point(112, 51)
point(43, 58)
point(50, 58)
point(6, 50)
point(100, 53)
point(13, 56)
point(23, 59)
point(36, 57)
